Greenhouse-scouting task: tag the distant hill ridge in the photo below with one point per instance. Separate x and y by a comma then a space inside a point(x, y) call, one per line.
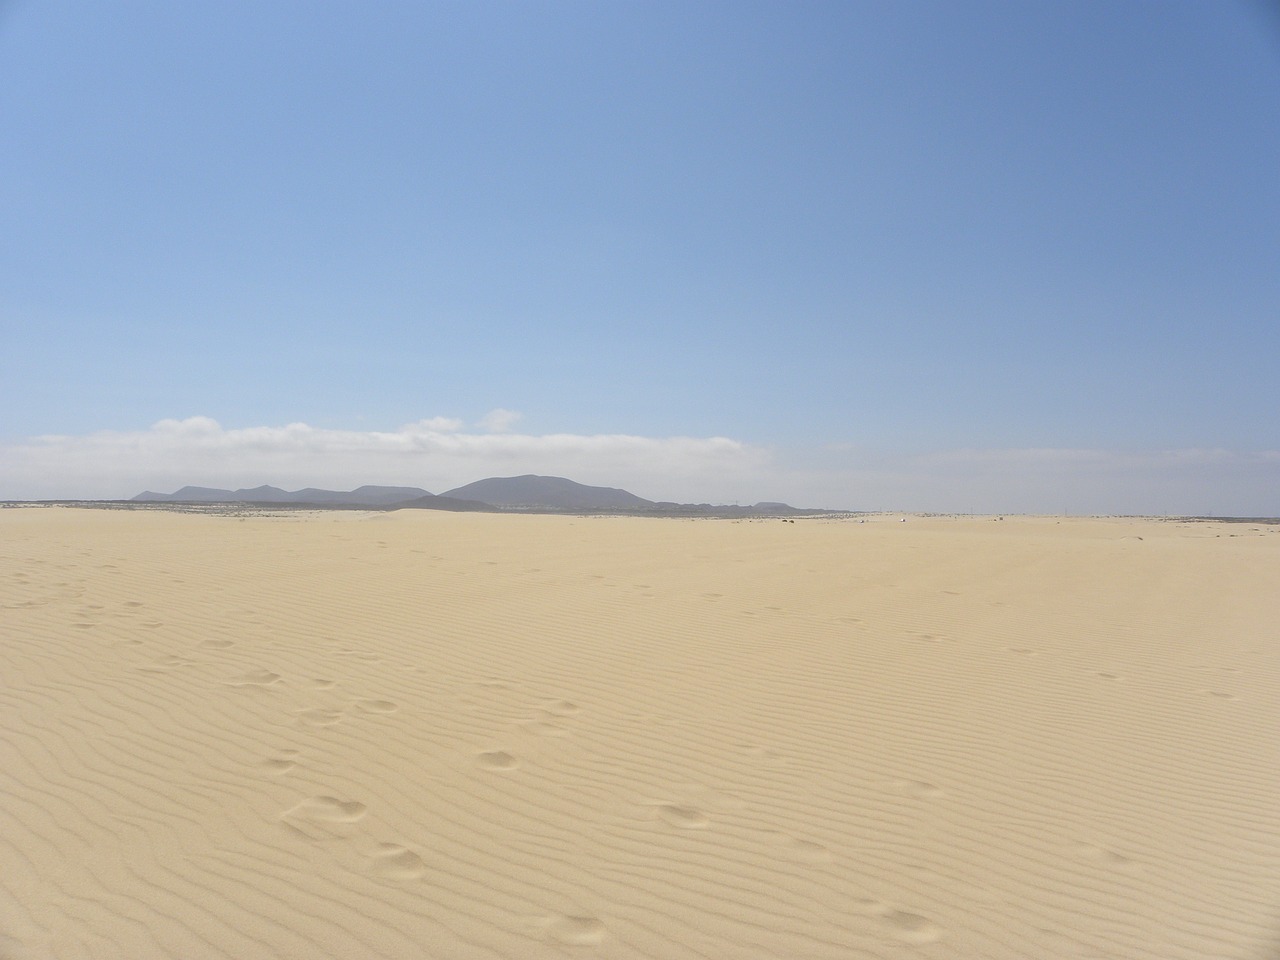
point(532, 492)
point(529, 493)
point(373, 495)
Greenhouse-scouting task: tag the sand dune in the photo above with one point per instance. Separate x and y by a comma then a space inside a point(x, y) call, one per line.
point(438, 735)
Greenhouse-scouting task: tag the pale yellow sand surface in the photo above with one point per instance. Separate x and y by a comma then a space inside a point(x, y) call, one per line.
point(428, 735)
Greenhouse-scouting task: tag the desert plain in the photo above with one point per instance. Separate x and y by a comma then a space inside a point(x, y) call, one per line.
point(417, 734)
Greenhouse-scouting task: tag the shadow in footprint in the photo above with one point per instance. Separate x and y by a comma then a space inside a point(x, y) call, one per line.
point(497, 760)
point(808, 851)
point(1107, 857)
point(562, 708)
point(686, 818)
point(577, 931)
point(394, 862)
point(920, 788)
point(911, 927)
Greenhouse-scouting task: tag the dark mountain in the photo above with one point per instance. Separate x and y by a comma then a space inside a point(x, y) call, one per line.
point(529, 493)
point(361, 496)
point(264, 494)
point(536, 493)
point(373, 495)
point(190, 494)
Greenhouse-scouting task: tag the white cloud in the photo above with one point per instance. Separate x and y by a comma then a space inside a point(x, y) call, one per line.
point(434, 425)
point(435, 454)
point(439, 454)
point(500, 420)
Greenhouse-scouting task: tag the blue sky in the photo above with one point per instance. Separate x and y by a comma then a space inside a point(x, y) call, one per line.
point(922, 256)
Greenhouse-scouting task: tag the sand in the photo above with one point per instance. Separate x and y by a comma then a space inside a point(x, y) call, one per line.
point(422, 734)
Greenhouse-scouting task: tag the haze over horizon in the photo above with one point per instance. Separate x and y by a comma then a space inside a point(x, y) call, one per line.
point(913, 256)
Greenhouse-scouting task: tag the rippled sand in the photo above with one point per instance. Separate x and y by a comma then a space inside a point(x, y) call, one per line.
point(422, 734)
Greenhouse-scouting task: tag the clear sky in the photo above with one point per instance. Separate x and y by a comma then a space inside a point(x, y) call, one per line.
point(952, 256)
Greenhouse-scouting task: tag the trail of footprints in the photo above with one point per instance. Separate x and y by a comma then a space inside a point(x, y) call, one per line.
point(328, 716)
point(894, 924)
point(324, 817)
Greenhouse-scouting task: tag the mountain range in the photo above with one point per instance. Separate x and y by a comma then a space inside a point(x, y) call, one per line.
point(528, 493)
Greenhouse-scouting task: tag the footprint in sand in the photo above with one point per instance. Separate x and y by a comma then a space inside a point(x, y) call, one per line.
point(686, 818)
point(920, 788)
point(277, 765)
point(806, 851)
point(548, 721)
point(319, 717)
point(562, 708)
point(325, 809)
point(376, 706)
point(321, 818)
point(577, 931)
point(911, 927)
point(497, 760)
point(254, 678)
point(768, 754)
point(394, 862)
point(898, 924)
point(1103, 855)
